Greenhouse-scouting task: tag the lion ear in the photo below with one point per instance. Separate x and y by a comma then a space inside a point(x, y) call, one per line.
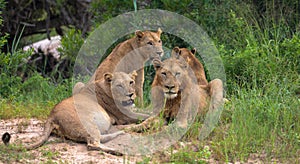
point(159, 31)
point(133, 74)
point(108, 77)
point(157, 63)
point(176, 52)
point(193, 51)
point(139, 34)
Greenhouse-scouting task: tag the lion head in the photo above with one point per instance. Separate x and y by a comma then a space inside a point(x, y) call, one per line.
point(171, 76)
point(150, 43)
point(190, 57)
point(122, 87)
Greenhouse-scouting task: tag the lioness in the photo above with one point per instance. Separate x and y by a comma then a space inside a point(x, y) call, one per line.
point(131, 55)
point(193, 62)
point(82, 119)
point(172, 83)
point(214, 87)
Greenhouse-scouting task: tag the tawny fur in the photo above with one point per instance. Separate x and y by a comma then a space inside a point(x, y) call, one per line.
point(131, 55)
point(64, 118)
point(188, 82)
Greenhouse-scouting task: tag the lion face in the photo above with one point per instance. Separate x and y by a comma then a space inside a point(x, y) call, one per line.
point(150, 43)
point(122, 87)
point(188, 55)
point(171, 76)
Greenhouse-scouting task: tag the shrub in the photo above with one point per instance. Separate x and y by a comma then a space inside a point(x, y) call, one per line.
point(71, 43)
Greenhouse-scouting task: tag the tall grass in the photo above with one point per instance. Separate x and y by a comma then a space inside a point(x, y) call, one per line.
point(33, 98)
point(263, 76)
point(263, 121)
point(30, 97)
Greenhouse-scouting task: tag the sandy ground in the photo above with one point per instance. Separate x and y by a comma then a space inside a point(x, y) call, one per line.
point(65, 151)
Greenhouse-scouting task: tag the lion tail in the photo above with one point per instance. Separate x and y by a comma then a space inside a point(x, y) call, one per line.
point(46, 133)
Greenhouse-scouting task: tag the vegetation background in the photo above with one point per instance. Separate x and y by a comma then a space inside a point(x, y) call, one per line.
point(258, 41)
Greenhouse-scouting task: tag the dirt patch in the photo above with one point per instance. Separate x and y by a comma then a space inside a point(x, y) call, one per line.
point(55, 149)
point(58, 150)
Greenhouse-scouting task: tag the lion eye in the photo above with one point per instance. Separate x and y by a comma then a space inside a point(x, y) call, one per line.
point(150, 43)
point(159, 41)
point(164, 74)
point(177, 74)
point(131, 82)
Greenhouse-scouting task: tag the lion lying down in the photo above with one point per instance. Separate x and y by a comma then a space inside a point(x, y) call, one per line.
point(80, 117)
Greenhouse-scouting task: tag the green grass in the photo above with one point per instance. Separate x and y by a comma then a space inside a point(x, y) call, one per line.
point(261, 122)
point(13, 153)
point(33, 98)
point(188, 155)
point(10, 110)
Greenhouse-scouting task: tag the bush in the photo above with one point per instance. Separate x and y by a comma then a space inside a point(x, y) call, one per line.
point(3, 37)
point(71, 43)
point(289, 51)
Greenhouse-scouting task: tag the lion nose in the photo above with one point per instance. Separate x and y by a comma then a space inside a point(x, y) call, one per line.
point(159, 53)
point(130, 95)
point(169, 86)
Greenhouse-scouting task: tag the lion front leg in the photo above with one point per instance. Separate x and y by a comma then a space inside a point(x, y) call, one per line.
point(139, 82)
point(95, 144)
point(142, 126)
point(108, 137)
point(98, 146)
point(158, 100)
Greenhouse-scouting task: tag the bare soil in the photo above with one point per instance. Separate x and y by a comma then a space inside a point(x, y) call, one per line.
point(56, 148)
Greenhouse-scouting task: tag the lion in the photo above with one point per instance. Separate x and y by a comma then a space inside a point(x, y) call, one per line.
point(176, 85)
point(193, 62)
point(80, 117)
point(116, 102)
point(214, 87)
point(131, 55)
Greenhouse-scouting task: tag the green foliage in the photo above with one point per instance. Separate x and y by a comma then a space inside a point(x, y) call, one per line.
point(35, 88)
point(14, 109)
point(49, 154)
point(12, 153)
point(256, 65)
point(42, 89)
point(10, 86)
point(289, 51)
point(71, 43)
point(10, 67)
point(187, 155)
point(16, 154)
point(10, 62)
point(33, 98)
point(103, 10)
point(3, 37)
point(3, 40)
point(263, 121)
